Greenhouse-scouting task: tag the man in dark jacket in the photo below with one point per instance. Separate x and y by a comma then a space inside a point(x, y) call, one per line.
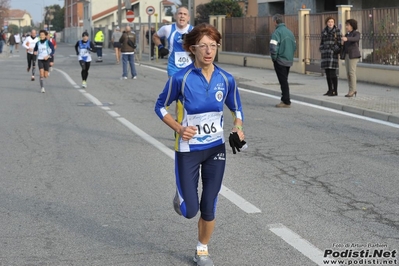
point(282, 49)
point(128, 45)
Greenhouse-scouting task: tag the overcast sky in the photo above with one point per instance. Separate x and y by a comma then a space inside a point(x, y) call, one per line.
point(35, 7)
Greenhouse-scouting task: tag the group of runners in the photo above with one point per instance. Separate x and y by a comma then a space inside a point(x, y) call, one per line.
point(42, 48)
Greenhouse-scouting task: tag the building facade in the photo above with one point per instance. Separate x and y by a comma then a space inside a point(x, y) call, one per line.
point(20, 18)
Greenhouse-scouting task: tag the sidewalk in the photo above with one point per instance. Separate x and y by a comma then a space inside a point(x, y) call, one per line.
point(373, 100)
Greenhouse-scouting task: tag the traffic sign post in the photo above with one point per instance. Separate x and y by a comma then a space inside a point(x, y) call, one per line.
point(150, 10)
point(130, 15)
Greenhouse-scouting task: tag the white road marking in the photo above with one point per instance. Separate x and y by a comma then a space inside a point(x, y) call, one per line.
point(113, 114)
point(299, 243)
point(386, 123)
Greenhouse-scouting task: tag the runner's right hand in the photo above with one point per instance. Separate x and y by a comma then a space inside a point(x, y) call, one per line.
point(162, 50)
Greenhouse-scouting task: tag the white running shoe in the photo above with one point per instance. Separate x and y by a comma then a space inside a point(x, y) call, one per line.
point(135, 77)
point(203, 259)
point(43, 91)
point(124, 77)
point(84, 84)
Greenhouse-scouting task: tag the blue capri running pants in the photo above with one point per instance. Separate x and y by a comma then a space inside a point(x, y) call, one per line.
point(211, 163)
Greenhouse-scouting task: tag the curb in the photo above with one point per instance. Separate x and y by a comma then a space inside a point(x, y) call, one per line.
point(340, 107)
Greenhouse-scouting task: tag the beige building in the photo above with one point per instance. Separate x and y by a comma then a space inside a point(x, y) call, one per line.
point(18, 17)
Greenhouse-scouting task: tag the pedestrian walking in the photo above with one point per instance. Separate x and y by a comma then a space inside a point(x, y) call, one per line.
point(351, 54)
point(128, 44)
point(200, 144)
point(83, 48)
point(99, 40)
point(11, 42)
point(44, 50)
point(178, 57)
point(116, 35)
point(330, 46)
point(29, 45)
point(282, 49)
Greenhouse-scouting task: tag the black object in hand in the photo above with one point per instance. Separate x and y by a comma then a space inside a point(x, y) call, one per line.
point(235, 142)
point(162, 50)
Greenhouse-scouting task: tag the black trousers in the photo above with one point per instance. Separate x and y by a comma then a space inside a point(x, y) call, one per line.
point(31, 59)
point(282, 75)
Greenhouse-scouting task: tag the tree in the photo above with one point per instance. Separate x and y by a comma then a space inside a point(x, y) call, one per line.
point(4, 7)
point(54, 15)
point(13, 28)
point(230, 8)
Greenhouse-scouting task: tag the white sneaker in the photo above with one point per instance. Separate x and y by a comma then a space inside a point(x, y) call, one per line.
point(135, 77)
point(43, 91)
point(84, 84)
point(124, 77)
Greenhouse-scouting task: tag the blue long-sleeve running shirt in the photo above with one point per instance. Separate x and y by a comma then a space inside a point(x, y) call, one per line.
point(200, 104)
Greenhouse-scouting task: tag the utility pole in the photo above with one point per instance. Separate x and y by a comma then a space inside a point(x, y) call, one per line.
point(120, 13)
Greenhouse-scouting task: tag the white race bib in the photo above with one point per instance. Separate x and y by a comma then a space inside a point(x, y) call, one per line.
point(209, 128)
point(182, 59)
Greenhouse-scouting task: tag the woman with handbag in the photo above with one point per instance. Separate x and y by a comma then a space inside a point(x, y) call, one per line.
point(330, 47)
point(351, 54)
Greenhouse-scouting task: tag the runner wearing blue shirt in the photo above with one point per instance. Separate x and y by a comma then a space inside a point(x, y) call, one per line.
point(44, 50)
point(178, 57)
point(200, 90)
point(83, 48)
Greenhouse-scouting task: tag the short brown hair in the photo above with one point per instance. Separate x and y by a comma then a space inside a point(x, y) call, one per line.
point(197, 33)
point(328, 18)
point(352, 22)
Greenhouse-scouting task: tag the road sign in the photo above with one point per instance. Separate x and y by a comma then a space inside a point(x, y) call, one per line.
point(150, 10)
point(130, 15)
point(128, 4)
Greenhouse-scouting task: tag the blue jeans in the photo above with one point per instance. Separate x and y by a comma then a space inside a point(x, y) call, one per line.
point(1, 45)
point(125, 59)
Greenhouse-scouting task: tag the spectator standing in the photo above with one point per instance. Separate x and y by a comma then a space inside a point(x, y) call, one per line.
point(149, 34)
point(330, 37)
point(99, 40)
point(352, 54)
point(2, 39)
point(128, 46)
point(282, 49)
point(116, 35)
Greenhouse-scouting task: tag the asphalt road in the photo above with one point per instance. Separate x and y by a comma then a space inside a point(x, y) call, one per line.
point(87, 178)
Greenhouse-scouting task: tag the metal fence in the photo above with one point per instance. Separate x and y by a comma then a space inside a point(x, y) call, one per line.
point(379, 30)
point(252, 35)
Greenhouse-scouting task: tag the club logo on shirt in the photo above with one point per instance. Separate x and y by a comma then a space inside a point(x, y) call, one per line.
point(219, 96)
